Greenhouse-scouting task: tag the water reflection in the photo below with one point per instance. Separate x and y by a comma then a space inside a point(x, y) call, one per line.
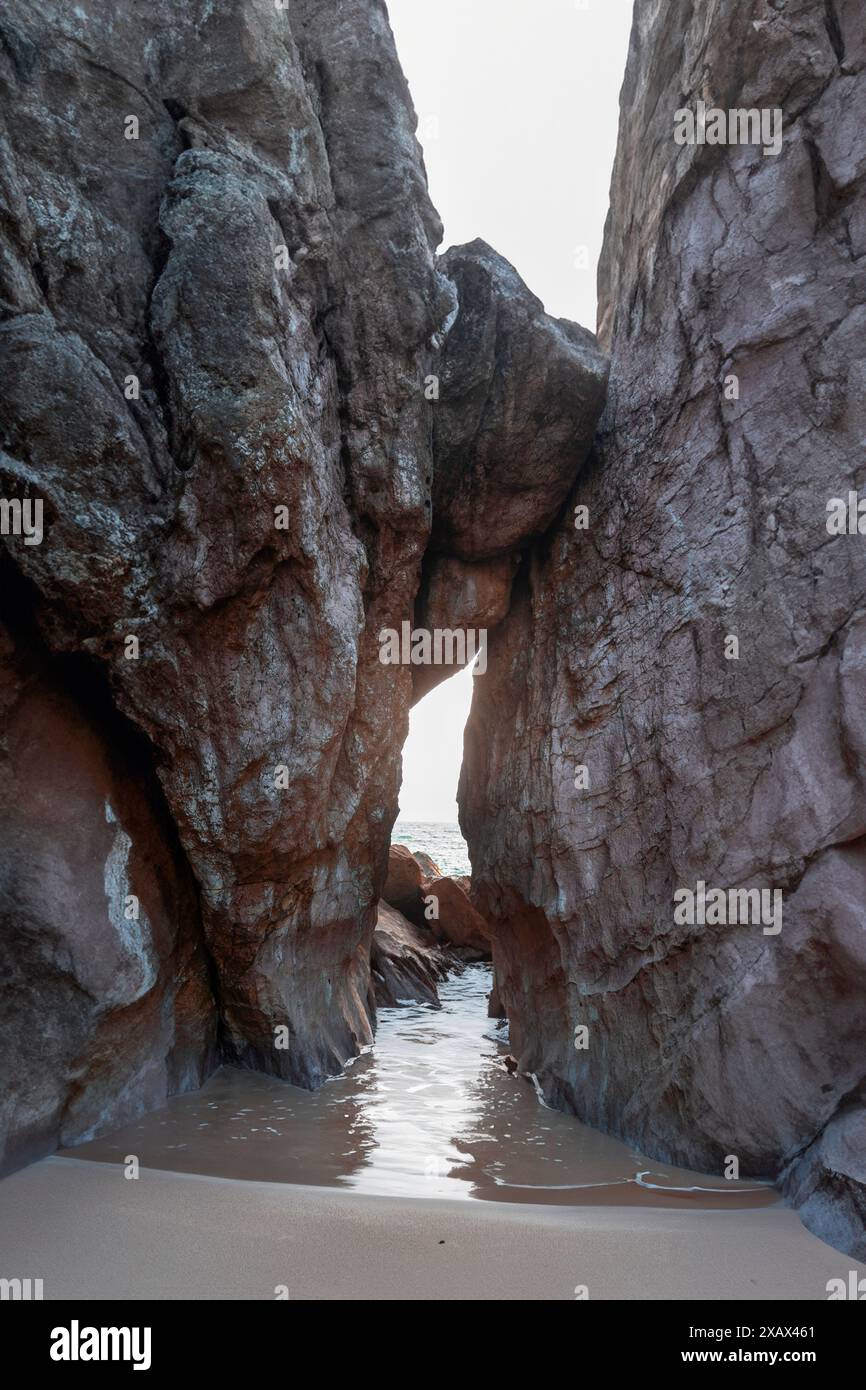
point(429, 1110)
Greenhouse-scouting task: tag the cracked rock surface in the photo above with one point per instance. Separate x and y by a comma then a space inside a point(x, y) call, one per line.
point(707, 519)
point(219, 306)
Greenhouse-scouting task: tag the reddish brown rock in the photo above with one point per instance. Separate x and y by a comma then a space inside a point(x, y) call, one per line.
point(458, 921)
point(406, 962)
point(404, 886)
point(105, 1003)
point(614, 753)
point(457, 596)
point(495, 1008)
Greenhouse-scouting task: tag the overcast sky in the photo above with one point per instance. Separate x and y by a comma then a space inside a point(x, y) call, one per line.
point(518, 102)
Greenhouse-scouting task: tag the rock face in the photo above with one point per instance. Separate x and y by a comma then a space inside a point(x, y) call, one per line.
point(105, 1002)
point(622, 747)
point(406, 962)
point(521, 394)
point(221, 323)
point(458, 921)
point(404, 886)
point(225, 418)
point(219, 310)
point(520, 397)
point(828, 1182)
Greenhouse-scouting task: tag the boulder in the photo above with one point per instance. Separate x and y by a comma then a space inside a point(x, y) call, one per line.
point(676, 695)
point(404, 886)
point(406, 962)
point(521, 394)
point(429, 867)
point(458, 921)
point(827, 1183)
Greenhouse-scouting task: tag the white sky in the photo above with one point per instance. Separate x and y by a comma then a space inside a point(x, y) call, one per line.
point(518, 105)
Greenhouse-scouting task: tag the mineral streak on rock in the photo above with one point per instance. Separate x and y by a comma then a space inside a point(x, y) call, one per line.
point(733, 303)
point(521, 396)
point(220, 306)
point(106, 1005)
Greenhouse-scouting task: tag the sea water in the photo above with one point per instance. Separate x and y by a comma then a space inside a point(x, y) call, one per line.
point(428, 1110)
point(440, 839)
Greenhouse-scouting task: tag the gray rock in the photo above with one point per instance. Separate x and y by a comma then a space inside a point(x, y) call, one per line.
point(406, 962)
point(828, 1182)
point(521, 394)
point(240, 260)
point(220, 309)
point(707, 518)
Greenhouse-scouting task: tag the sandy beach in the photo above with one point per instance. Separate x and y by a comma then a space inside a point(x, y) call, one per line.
point(90, 1233)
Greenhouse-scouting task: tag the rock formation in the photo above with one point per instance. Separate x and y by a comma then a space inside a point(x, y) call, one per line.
point(404, 886)
point(459, 922)
point(107, 1001)
point(520, 394)
point(265, 425)
point(406, 963)
point(621, 746)
point(221, 312)
point(429, 867)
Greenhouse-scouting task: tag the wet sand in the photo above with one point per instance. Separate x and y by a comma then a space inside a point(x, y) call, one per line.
point(429, 1111)
point(92, 1234)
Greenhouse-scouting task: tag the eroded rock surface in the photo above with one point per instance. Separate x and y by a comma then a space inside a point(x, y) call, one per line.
point(219, 308)
point(230, 315)
point(105, 999)
point(407, 964)
point(521, 394)
point(828, 1181)
point(404, 886)
point(708, 510)
point(458, 921)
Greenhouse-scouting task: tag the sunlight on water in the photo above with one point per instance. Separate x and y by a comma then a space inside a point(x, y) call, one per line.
point(429, 1111)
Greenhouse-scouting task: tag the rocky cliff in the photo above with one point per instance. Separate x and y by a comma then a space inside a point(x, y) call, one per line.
point(223, 335)
point(677, 696)
point(265, 425)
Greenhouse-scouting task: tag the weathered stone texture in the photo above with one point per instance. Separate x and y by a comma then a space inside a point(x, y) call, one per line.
point(105, 999)
point(707, 519)
point(219, 307)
